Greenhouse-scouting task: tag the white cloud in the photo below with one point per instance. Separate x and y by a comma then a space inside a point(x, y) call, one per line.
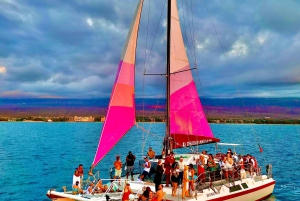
point(238, 49)
point(262, 37)
point(90, 21)
point(2, 69)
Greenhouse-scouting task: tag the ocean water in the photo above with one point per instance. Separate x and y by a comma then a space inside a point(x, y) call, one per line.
point(35, 157)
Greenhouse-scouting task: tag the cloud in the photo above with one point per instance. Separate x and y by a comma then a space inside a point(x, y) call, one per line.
point(71, 49)
point(2, 70)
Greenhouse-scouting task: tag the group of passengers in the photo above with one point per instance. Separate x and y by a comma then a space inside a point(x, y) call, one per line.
point(149, 195)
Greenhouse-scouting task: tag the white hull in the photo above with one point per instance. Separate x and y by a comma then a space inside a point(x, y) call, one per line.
point(257, 190)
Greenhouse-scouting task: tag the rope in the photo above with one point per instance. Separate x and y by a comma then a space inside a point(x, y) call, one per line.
point(235, 83)
point(146, 62)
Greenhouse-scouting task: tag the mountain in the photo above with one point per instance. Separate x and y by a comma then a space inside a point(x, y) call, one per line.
point(214, 107)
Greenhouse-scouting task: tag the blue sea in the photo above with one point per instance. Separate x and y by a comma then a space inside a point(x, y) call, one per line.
point(37, 156)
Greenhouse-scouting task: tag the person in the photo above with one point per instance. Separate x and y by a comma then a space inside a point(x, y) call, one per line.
point(151, 196)
point(211, 166)
point(76, 189)
point(230, 151)
point(99, 187)
point(175, 179)
point(205, 156)
point(158, 175)
point(146, 170)
point(242, 168)
point(89, 190)
point(228, 167)
point(169, 160)
point(160, 193)
point(181, 165)
point(118, 167)
point(78, 175)
point(235, 158)
point(151, 153)
point(112, 186)
point(127, 192)
point(163, 153)
point(185, 183)
point(130, 164)
point(200, 169)
point(252, 166)
point(191, 173)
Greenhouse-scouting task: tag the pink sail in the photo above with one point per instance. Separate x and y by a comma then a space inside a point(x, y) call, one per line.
point(120, 116)
point(188, 123)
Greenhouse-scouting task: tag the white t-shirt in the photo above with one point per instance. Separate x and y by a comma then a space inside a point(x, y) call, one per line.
point(181, 166)
point(147, 166)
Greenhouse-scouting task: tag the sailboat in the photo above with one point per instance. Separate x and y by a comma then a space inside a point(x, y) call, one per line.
point(186, 123)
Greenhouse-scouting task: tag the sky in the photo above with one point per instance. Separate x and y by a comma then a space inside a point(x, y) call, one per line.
point(71, 49)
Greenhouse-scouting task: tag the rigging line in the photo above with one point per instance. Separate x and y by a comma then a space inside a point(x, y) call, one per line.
point(155, 135)
point(184, 27)
point(150, 53)
point(151, 123)
point(194, 58)
point(156, 31)
point(184, 30)
point(230, 70)
point(191, 29)
point(145, 69)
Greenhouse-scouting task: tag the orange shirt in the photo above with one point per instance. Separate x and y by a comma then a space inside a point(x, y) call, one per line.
point(118, 165)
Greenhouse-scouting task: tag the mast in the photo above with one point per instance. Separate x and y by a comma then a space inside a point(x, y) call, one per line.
point(167, 141)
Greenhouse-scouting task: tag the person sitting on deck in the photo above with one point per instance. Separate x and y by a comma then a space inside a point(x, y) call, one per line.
point(99, 187)
point(160, 193)
point(127, 192)
point(76, 189)
point(112, 186)
point(151, 153)
point(90, 189)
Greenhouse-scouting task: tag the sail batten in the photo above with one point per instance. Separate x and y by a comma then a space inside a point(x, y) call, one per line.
point(120, 115)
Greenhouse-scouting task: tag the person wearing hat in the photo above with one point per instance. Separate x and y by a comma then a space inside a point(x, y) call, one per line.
point(130, 164)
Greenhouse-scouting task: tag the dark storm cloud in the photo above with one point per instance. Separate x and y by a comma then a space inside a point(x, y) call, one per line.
point(72, 48)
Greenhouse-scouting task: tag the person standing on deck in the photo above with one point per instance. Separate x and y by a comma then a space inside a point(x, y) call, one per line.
point(78, 175)
point(118, 167)
point(181, 165)
point(158, 176)
point(130, 164)
point(146, 170)
point(169, 160)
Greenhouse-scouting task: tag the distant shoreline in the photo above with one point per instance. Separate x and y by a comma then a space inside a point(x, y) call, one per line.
point(153, 119)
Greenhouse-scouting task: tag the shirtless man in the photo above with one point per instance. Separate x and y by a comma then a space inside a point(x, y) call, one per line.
point(159, 195)
point(78, 175)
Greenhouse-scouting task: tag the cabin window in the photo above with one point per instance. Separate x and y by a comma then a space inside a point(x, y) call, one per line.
point(244, 185)
point(235, 188)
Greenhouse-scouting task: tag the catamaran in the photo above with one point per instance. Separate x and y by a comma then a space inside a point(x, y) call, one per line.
point(186, 125)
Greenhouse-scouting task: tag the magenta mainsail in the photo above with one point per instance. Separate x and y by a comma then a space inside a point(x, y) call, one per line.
point(188, 124)
point(120, 115)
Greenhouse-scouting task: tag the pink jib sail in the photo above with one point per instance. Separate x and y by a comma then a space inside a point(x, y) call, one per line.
point(188, 123)
point(120, 115)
